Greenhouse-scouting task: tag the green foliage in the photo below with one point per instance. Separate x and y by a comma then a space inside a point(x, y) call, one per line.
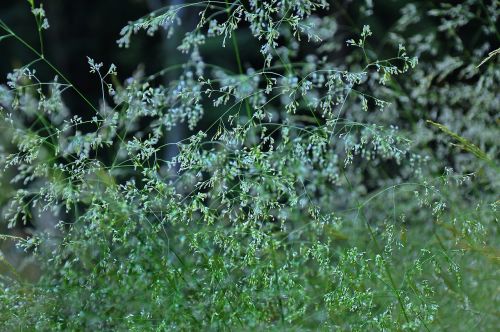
point(319, 199)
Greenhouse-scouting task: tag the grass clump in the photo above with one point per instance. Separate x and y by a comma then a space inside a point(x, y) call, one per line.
point(317, 199)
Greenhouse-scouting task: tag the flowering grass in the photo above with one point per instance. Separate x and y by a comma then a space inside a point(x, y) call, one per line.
point(338, 189)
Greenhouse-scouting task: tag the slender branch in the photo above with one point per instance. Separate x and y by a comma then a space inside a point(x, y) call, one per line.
point(6, 28)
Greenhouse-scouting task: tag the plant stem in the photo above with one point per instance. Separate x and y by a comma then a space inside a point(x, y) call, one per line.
point(54, 68)
point(238, 60)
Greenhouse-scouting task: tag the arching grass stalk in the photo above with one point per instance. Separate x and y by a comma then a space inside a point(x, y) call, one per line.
point(6, 28)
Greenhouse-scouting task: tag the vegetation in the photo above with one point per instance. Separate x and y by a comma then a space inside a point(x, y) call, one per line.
point(348, 182)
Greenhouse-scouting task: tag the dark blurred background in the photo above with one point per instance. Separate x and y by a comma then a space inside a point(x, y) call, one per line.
point(79, 29)
point(90, 28)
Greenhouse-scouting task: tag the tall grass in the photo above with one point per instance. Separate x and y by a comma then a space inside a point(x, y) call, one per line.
point(327, 194)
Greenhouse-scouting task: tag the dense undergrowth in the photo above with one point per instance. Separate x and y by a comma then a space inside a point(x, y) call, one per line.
point(340, 189)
